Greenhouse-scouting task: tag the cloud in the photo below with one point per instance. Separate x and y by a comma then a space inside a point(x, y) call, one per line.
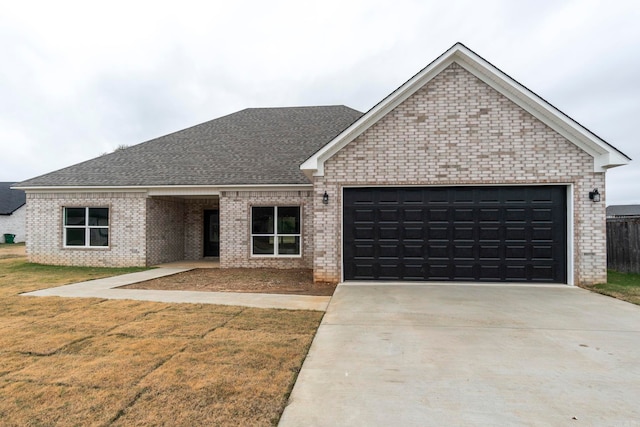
point(80, 78)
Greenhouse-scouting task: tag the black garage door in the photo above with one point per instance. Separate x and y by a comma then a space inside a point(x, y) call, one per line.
point(456, 233)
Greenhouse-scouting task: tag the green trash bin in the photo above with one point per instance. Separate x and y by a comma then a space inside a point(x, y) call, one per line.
point(8, 238)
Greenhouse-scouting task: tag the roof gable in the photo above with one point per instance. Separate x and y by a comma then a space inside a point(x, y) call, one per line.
point(605, 155)
point(10, 200)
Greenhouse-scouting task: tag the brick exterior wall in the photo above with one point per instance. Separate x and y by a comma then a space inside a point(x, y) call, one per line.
point(165, 230)
point(235, 219)
point(127, 221)
point(457, 130)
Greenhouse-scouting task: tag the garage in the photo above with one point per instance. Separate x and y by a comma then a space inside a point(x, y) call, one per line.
point(465, 233)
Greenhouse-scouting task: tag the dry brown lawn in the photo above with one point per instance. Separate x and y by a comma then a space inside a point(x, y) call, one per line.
point(93, 362)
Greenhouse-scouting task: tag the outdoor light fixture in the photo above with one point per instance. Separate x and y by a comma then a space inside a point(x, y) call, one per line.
point(325, 198)
point(594, 195)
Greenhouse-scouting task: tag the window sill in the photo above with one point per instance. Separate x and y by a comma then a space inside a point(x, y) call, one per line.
point(275, 256)
point(87, 248)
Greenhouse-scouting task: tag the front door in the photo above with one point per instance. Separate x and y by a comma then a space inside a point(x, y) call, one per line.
point(212, 233)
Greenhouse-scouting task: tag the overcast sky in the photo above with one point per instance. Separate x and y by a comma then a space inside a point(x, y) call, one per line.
point(77, 79)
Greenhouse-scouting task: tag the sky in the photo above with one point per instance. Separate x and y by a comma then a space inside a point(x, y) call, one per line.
point(80, 78)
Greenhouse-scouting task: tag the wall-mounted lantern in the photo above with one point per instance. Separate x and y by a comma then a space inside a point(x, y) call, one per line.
point(594, 195)
point(325, 198)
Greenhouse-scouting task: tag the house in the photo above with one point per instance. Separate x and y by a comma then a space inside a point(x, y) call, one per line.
point(460, 174)
point(623, 211)
point(12, 212)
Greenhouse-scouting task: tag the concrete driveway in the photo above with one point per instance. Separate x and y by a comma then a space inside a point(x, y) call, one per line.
point(455, 355)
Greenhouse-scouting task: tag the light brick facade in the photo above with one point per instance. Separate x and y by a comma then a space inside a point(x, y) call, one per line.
point(147, 231)
point(456, 130)
point(127, 231)
point(235, 230)
point(165, 230)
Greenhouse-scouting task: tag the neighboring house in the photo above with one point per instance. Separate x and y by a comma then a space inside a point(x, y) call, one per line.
point(461, 174)
point(623, 211)
point(12, 212)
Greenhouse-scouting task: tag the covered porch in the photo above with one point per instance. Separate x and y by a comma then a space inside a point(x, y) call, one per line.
point(183, 229)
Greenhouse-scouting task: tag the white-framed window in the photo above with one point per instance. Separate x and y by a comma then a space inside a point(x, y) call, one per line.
point(275, 231)
point(86, 227)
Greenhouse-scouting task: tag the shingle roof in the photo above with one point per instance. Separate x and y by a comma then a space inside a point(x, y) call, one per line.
point(252, 146)
point(623, 210)
point(10, 200)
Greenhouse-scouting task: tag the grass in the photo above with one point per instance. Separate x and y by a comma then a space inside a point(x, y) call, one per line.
point(624, 286)
point(94, 362)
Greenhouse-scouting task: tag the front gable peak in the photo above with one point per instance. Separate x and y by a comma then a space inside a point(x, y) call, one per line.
point(604, 155)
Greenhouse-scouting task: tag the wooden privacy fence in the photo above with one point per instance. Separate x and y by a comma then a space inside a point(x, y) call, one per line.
point(623, 244)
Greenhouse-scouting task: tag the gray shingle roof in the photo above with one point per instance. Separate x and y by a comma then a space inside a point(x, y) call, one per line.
point(623, 211)
point(10, 200)
point(252, 146)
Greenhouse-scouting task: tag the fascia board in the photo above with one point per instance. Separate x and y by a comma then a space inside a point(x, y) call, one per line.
point(169, 189)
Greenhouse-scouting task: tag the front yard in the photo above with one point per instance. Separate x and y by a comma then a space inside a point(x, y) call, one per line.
point(67, 361)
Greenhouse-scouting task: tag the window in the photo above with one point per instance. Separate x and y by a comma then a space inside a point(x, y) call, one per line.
point(275, 230)
point(86, 227)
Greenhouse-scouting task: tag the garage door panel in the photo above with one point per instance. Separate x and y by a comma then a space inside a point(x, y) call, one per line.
point(367, 215)
point(413, 272)
point(542, 233)
point(463, 215)
point(463, 233)
point(438, 271)
point(516, 272)
point(488, 253)
point(412, 233)
point(413, 215)
point(390, 251)
point(491, 272)
point(463, 272)
point(387, 214)
point(363, 232)
point(490, 215)
point(437, 233)
point(515, 234)
point(486, 234)
point(540, 214)
point(389, 233)
point(542, 272)
point(541, 252)
point(364, 250)
point(455, 233)
point(438, 251)
point(441, 215)
point(515, 215)
point(461, 252)
point(389, 271)
point(414, 251)
point(515, 252)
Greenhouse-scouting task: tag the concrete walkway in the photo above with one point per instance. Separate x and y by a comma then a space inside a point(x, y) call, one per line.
point(108, 288)
point(454, 355)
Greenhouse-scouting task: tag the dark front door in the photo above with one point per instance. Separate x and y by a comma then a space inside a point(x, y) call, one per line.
point(212, 233)
point(512, 234)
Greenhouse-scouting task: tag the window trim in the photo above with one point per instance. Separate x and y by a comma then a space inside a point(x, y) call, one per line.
point(87, 228)
point(275, 233)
